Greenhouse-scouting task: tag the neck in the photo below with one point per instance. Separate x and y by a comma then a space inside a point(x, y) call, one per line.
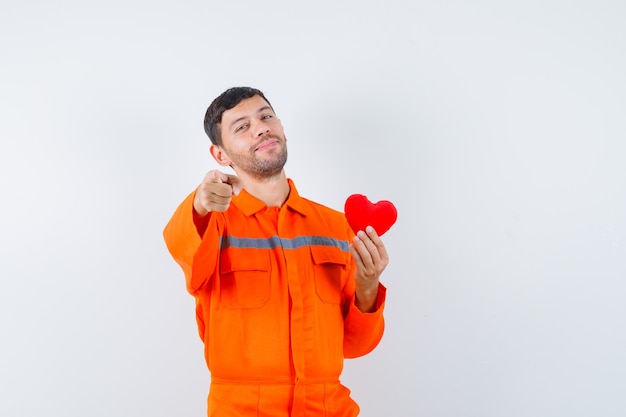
point(272, 191)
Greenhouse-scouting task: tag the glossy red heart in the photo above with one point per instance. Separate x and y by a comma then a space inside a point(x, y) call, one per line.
point(361, 212)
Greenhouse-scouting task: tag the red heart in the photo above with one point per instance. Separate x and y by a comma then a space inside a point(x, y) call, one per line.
point(361, 212)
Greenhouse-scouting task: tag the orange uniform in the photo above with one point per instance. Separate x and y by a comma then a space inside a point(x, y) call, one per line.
point(274, 292)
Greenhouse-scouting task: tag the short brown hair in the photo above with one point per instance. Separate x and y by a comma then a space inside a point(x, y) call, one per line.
point(226, 101)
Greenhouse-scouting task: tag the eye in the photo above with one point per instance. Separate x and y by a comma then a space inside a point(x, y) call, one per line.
point(266, 117)
point(241, 127)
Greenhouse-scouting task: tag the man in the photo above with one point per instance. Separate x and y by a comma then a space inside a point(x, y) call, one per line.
point(284, 289)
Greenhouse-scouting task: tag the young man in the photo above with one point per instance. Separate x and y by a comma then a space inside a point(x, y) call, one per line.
point(284, 289)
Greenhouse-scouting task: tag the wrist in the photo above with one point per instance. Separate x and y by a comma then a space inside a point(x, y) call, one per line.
point(365, 298)
point(198, 208)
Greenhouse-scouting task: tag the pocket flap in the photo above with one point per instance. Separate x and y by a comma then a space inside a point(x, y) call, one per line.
point(244, 260)
point(328, 255)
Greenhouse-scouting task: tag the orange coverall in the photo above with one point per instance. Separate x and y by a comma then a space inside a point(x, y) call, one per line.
point(275, 305)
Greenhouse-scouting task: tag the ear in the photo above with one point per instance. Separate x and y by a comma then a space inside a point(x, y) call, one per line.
point(219, 154)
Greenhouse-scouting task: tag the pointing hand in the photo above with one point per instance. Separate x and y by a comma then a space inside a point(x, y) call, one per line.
point(215, 192)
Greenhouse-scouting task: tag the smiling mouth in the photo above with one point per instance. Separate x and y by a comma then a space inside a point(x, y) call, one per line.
point(268, 143)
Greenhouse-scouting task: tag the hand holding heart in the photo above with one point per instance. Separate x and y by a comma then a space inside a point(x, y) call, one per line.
point(368, 221)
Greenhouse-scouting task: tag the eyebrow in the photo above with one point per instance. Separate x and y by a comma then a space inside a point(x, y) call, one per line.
point(261, 110)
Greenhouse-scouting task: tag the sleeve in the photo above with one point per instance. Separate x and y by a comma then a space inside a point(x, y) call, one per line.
point(183, 236)
point(363, 331)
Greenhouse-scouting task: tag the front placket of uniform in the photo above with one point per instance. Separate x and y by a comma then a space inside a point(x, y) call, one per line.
point(300, 331)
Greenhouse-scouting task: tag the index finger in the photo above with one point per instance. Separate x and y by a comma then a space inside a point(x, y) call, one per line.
point(217, 176)
point(234, 182)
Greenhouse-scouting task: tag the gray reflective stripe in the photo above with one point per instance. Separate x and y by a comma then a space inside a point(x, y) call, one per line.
point(278, 242)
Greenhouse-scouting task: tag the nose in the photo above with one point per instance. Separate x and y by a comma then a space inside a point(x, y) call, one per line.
point(261, 128)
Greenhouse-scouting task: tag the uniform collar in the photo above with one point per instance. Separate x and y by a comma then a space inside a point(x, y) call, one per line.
point(250, 205)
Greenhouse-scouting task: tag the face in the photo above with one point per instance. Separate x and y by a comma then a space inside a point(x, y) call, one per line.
point(253, 140)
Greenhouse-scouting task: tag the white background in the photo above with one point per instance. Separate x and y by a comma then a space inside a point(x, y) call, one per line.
point(496, 127)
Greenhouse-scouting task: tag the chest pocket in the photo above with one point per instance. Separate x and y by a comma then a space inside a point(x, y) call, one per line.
point(329, 270)
point(244, 278)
